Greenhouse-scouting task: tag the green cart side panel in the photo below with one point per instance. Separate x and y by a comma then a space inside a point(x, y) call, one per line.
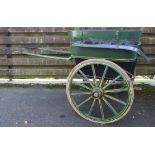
point(100, 34)
point(113, 54)
point(130, 35)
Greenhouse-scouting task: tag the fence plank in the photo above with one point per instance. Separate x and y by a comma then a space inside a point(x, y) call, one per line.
point(38, 29)
point(145, 70)
point(34, 61)
point(148, 40)
point(48, 39)
point(150, 50)
point(51, 72)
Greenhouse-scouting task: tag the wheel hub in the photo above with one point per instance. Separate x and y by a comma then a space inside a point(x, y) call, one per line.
point(97, 93)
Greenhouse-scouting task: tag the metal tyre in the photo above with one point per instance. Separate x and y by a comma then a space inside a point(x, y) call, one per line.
point(98, 96)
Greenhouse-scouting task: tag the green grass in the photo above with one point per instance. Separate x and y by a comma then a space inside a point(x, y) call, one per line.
point(147, 90)
point(49, 86)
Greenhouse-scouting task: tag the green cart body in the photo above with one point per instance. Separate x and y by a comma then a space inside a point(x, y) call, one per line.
point(98, 48)
point(116, 46)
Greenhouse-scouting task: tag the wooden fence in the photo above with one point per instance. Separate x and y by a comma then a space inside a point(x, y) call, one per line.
point(22, 66)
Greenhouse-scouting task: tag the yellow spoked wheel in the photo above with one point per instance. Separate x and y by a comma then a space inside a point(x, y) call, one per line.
point(100, 91)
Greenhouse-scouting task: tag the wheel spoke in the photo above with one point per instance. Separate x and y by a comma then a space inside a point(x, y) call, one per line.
point(111, 82)
point(101, 108)
point(120, 90)
point(91, 108)
point(79, 76)
point(118, 83)
point(85, 101)
point(103, 76)
point(110, 106)
point(94, 74)
point(81, 93)
point(115, 99)
point(83, 86)
point(85, 77)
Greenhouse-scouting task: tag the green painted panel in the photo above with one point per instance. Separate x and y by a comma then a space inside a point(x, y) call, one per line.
point(130, 35)
point(103, 53)
point(106, 34)
point(100, 34)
